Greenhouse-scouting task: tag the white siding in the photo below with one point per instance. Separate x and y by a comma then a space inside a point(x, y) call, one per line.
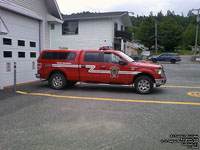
point(40, 8)
point(20, 28)
point(92, 34)
point(119, 22)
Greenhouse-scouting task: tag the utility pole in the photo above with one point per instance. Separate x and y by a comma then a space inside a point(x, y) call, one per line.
point(197, 29)
point(156, 38)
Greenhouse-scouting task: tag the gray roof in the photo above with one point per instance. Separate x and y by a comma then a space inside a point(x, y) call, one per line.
point(53, 8)
point(83, 16)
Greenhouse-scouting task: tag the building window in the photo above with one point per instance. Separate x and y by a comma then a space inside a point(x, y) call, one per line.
point(7, 41)
point(122, 28)
point(7, 54)
point(33, 54)
point(21, 54)
point(70, 28)
point(52, 26)
point(116, 27)
point(32, 44)
point(21, 43)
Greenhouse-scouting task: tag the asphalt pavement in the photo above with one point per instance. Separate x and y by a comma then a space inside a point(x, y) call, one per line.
point(104, 117)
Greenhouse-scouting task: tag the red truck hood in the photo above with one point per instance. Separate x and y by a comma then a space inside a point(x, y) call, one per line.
point(147, 65)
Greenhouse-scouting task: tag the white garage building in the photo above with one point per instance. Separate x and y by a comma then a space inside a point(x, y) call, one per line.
point(24, 32)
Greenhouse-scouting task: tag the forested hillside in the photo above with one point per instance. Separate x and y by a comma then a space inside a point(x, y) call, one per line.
point(173, 31)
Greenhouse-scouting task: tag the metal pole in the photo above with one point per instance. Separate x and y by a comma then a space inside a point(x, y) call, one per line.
point(15, 77)
point(197, 29)
point(156, 38)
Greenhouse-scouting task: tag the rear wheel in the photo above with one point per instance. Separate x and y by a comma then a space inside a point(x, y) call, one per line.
point(144, 85)
point(154, 60)
point(173, 61)
point(58, 81)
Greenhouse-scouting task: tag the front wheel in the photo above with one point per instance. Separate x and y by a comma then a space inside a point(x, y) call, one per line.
point(144, 85)
point(58, 81)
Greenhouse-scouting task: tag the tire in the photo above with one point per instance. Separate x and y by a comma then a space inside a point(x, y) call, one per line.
point(58, 81)
point(173, 61)
point(144, 85)
point(154, 60)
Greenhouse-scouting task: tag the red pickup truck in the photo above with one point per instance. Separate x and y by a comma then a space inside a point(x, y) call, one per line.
point(66, 67)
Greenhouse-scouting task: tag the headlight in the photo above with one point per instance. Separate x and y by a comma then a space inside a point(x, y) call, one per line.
point(158, 71)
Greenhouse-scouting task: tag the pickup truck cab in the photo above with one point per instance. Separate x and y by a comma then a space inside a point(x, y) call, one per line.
point(66, 67)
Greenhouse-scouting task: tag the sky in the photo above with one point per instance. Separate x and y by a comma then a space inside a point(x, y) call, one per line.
point(138, 7)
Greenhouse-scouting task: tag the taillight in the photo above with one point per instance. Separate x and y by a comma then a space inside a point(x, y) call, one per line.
point(178, 57)
point(39, 66)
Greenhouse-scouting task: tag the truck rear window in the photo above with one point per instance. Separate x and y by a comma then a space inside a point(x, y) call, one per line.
point(59, 55)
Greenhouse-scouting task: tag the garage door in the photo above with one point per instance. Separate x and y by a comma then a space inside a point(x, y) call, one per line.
point(20, 45)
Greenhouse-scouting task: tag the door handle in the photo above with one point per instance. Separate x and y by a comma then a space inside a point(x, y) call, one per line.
point(103, 67)
point(83, 66)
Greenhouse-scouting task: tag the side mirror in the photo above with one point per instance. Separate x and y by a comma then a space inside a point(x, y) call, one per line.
point(122, 63)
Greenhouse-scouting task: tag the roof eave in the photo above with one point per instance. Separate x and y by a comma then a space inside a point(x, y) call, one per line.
point(58, 9)
point(18, 9)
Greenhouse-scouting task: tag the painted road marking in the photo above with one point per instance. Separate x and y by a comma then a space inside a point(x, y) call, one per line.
point(194, 94)
point(184, 87)
point(109, 99)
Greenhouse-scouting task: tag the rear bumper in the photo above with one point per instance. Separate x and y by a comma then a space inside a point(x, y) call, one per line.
point(160, 82)
point(37, 76)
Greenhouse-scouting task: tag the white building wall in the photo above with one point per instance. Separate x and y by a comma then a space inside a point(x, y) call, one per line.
point(20, 28)
point(119, 22)
point(40, 8)
point(123, 43)
point(92, 34)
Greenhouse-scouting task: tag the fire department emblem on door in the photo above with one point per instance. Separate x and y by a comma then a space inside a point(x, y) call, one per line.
point(114, 72)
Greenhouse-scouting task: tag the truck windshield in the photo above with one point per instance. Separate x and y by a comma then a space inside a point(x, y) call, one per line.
point(129, 59)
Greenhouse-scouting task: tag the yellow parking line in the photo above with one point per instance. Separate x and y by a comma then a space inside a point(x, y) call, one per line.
point(109, 99)
point(184, 87)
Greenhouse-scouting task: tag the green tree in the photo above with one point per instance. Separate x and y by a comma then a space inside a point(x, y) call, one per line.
point(160, 16)
point(189, 35)
point(146, 32)
point(170, 33)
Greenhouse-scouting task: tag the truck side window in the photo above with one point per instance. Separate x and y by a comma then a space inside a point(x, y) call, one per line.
point(49, 55)
point(59, 55)
point(112, 58)
point(107, 58)
point(66, 56)
point(71, 56)
point(91, 57)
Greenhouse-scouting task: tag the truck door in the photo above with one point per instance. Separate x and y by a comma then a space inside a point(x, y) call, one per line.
point(89, 66)
point(113, 71)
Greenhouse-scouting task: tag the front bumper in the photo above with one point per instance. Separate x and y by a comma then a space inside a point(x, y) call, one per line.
point(159, 82)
